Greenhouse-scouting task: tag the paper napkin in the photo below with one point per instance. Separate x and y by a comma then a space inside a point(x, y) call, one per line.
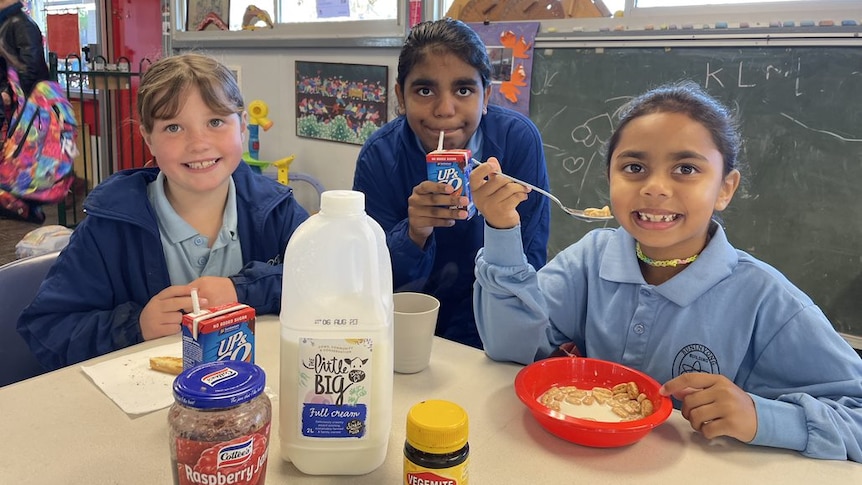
point(131, 384)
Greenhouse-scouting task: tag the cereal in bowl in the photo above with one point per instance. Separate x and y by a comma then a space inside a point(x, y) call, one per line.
point(623, 402)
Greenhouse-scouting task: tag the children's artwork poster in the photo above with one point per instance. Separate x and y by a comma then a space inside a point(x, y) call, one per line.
point(510, 48)
point(340, 102)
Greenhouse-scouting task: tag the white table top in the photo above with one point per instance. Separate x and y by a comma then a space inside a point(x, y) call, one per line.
point(59, 428)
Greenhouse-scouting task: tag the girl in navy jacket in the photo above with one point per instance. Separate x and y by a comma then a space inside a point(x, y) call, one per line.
point(203, 219)
point(444, 80)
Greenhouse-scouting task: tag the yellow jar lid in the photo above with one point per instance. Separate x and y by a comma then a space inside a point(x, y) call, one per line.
point(436, 426)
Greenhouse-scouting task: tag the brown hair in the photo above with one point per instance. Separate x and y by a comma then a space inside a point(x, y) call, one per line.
point(160, 95)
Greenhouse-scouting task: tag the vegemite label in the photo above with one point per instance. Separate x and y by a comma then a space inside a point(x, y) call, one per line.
point(418, 475)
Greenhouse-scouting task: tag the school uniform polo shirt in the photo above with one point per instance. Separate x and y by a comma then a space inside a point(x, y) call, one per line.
point(727, 313)
point(187, 252)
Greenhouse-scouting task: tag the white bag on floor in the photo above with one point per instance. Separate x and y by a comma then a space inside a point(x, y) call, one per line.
point(45, 239)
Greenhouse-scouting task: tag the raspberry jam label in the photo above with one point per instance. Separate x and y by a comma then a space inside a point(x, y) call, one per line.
point(334, 387)
point(240, 461)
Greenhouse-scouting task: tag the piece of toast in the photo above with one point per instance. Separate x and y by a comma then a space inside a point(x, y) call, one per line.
point(168, 365)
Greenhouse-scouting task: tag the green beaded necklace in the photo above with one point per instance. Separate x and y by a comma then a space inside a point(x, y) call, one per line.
point(662, 263)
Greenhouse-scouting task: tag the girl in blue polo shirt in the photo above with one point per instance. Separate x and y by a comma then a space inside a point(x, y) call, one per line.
point(443, 84)
point(744, 352)
point(203, 219)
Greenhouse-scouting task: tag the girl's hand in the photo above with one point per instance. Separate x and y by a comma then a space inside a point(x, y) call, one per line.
point(496, 197)
point(714, 405)
point(163, 314)
point(215, 290)
point(429, 207)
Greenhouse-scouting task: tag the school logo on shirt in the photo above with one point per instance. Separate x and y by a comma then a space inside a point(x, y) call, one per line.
point(695, 358)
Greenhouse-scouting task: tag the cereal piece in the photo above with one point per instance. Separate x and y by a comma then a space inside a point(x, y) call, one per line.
point(646, 408)
point(580, 393)
point(575, 399)
point(641, 397)
point(593, 212)
point(547, 399)
point(633, 390)
point(619, 411)
point(604, 391)
point(600, 398)
point(589, 399)
point(633, 407)
point(624, 387)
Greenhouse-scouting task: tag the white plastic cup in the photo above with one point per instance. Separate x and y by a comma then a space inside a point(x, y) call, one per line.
point(415, 321)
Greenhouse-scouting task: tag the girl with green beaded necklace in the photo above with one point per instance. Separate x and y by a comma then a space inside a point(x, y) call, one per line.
point(671, 167)
point(742, 351)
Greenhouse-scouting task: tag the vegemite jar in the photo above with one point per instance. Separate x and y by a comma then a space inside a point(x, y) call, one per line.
point(436, 449)
point(219, 424)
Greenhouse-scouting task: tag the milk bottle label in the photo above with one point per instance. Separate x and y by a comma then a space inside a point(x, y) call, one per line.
point(335, 387)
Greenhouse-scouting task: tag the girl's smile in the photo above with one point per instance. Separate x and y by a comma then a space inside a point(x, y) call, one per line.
point(648, 218)
point(201, 165)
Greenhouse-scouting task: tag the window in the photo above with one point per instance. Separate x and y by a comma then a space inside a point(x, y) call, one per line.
point(86, 11)
point(313, 11)
point(297, 11)
point(300, 22)
point(683, 3)
point(638, 6)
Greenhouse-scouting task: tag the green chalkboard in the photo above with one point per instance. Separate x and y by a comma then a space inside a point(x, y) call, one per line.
point(800, 108)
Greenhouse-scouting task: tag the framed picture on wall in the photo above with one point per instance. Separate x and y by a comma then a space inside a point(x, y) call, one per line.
point(198, 14)
point(340, 102)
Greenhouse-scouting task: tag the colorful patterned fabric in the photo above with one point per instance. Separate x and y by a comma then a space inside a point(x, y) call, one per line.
point(41, 144)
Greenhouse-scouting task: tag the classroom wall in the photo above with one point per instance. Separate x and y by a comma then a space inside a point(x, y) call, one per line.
point(268, 75)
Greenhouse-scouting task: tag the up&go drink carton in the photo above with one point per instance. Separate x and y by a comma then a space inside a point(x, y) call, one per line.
point(453, 167)
point(224, 332)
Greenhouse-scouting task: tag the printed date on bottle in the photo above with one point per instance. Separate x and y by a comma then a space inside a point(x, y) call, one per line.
point(336, 322)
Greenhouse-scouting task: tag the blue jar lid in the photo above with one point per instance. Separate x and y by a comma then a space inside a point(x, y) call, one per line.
point(220, 384)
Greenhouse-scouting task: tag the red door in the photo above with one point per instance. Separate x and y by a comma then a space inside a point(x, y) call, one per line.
point(135, 30)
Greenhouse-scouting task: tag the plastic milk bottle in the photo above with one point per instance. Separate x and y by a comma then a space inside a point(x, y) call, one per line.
point(336, 341)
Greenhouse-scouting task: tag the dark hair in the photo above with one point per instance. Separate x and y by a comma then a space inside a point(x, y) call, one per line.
point(691, 100)
point(161, 92)
point(440, 37)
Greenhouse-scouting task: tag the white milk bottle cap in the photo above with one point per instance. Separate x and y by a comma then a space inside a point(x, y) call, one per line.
point(342, 202)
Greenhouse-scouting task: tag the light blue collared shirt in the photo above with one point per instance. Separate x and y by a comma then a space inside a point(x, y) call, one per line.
point(187, 252)
point(726, 313)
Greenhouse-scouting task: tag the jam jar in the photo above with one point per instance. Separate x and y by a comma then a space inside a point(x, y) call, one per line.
point(219, 424)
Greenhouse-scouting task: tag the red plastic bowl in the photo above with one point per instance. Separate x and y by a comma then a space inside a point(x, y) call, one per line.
point(533, 380)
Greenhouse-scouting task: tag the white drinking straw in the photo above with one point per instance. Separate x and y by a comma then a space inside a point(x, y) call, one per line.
point(440, 141)
point(196, 304)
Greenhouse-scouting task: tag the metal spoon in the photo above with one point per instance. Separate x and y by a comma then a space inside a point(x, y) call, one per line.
point(576, 213)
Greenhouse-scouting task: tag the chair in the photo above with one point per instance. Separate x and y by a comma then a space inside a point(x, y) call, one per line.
point(19, 282)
